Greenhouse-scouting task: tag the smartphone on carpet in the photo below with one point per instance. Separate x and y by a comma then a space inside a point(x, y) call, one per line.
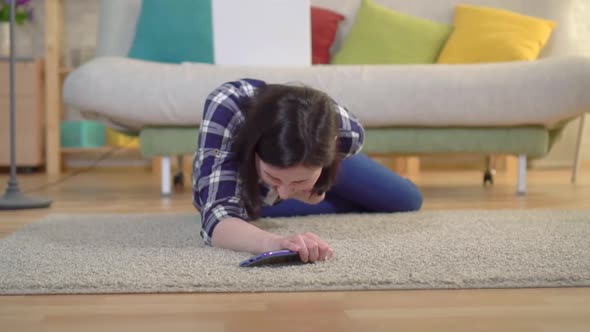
point(272, 258)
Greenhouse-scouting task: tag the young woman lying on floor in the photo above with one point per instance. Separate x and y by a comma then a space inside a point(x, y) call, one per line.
point(273, 150)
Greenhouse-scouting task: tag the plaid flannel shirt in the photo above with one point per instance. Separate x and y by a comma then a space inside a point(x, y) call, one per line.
point(216, 192)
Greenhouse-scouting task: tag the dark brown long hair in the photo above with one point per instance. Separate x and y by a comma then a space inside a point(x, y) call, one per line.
point(286, 126)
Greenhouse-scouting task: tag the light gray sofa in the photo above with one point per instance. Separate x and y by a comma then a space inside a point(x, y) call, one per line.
point(516, 108)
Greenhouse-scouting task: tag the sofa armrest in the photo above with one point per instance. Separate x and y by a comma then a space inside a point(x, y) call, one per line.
point(539, 93)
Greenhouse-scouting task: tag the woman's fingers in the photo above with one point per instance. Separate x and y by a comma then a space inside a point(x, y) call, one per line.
point(309, 246)
point(290, 245)
point(312, 247)
point(303, 252)
point(324, 250)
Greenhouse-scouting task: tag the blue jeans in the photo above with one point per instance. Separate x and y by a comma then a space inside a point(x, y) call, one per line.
point(362, 185)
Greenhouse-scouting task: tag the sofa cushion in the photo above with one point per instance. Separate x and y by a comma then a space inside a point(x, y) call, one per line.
point(174, 31)
point(117, 19)
point(543, 92)
point(324, 24)
point(562, 41)
point(483, 34)
point(383, 36)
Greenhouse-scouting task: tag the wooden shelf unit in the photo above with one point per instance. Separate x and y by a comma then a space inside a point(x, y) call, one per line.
point(53, 83)
point(29, 111)
point(55, 73)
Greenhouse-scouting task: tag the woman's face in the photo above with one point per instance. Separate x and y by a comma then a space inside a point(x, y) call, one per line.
point(288, 181)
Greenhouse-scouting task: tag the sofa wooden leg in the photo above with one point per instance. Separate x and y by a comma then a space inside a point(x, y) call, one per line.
point(187, 169)
point(408, 166)
point(510, 165)
point(413, 166)
point(179, 176)
point(156, 168)
point(165, 180)
point(522, 168)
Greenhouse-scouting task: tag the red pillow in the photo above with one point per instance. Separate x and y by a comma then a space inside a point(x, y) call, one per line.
point(324, 24)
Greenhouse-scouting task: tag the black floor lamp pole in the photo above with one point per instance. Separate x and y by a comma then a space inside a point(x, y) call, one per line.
point(13, 198)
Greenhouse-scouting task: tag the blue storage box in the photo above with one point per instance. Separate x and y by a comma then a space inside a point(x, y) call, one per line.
point(82, 134)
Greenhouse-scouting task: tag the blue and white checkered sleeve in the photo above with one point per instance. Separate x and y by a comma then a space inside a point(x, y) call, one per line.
point(351, 134)
point(215, 171)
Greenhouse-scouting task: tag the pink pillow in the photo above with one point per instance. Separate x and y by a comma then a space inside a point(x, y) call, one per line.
point(324, 24)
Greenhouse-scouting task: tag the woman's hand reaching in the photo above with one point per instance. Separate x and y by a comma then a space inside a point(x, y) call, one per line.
point(309, 246)
point(236, 234)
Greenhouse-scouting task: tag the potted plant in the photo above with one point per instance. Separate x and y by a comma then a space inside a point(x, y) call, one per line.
point(23, 30)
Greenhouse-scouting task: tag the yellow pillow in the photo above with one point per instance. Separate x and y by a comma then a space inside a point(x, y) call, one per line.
point(483, 34)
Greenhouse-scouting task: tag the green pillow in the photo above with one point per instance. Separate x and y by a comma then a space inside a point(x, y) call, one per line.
point(380, 35)
point(174, 31)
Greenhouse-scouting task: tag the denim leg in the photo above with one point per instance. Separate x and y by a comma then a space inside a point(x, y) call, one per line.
point(375, 187)
point(330, 205)
point(362, 185)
